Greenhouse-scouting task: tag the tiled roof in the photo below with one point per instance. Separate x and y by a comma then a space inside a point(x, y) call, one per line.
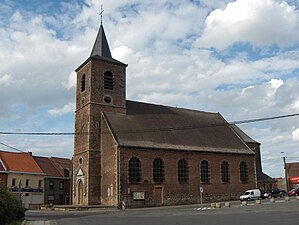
point(61, 164)
point(47, 166)
point(19, 162)
point(157, 126)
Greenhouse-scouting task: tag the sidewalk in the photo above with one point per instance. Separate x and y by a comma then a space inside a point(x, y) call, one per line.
point(37, 222)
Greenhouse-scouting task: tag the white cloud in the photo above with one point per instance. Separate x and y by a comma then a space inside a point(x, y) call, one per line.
point(69, 108)
point(40, 53)
point(277, 139)
point(5, 80)
point(295, 135)
point(261, 23)
point(71, 81)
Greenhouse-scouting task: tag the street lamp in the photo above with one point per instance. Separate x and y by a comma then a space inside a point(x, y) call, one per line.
point(285, 171)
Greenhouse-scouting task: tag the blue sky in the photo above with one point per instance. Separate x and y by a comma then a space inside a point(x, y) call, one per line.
point(239, 58)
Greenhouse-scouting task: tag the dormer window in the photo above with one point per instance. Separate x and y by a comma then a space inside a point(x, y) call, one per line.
point(108, 80)
point(83, 83)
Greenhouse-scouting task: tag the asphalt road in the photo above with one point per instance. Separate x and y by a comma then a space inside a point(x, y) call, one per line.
point(278, 213)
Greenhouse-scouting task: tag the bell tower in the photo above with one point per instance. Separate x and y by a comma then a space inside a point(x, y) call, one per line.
point(101, 86)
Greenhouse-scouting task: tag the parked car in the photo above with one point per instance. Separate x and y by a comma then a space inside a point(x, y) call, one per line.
point(275, 192)
point(294, 191)
point(251, 195)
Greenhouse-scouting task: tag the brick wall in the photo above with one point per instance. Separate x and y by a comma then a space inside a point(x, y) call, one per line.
point(177, 193)
point(109, 194)
point(89, 106)
point(3, 180)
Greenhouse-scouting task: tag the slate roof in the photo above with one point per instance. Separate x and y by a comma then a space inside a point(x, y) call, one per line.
point(101, 47)
point(156, 126)
point(243, 135)
point(19, 162)
point(263, 177)
point(101, 50)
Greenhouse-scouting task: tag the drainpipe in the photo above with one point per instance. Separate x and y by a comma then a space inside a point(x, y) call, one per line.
point(118, 171)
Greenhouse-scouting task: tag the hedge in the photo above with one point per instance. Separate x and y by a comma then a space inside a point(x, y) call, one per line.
point(10, 208)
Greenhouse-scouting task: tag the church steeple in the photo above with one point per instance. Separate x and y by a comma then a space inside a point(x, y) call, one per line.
point(101, 87)
point(101, 47)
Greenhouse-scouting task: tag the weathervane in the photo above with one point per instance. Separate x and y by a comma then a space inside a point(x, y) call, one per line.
point(101, 14)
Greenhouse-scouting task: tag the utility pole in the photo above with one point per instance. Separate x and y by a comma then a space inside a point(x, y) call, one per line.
point(285, 172)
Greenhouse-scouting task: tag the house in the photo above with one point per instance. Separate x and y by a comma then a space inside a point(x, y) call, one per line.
point(22, 176)
point(292, 174)
point(147, 154)
point(57, 179)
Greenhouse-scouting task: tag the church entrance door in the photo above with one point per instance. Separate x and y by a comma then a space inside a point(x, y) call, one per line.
point(80, 192)
point(158, 195)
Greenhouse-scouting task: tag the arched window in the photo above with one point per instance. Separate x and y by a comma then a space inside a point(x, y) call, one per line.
point(134, 170)
point(83, 83)
point(108, 80)
point(224, 172)
point(243, 172)
point(183, 171)
point(158, 170)
point(204, 171)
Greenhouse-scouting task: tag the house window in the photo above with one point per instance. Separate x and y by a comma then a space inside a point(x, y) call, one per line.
point(183, 171)
point(83, 82)
point(50, 197)
point(27, 182)
point(13, 182)
point(108, 80)
point(61, 185)
point(243, 172)
point(134, 170)
point(51, 185)
point(224, 172)
point(204, 171)
point(40, 183)
point(158, 170)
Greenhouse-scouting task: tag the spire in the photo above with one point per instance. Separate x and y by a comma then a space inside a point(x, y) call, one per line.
point(101, 47)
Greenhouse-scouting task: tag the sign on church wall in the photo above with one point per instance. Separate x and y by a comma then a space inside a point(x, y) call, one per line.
point(138, 195)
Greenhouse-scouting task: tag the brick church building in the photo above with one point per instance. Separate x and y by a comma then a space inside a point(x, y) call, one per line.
point(148, 154)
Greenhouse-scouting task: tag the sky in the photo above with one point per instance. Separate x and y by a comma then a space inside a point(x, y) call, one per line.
point(239, 58)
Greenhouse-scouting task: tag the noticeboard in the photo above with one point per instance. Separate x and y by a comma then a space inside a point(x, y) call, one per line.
point(138, 195)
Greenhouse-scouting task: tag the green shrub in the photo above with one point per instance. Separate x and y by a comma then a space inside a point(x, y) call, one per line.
point(10, 208)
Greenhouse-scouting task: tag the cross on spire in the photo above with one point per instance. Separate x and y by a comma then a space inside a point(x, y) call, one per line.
point(101, 14)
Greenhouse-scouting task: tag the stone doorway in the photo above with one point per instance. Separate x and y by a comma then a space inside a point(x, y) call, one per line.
point(80, 192)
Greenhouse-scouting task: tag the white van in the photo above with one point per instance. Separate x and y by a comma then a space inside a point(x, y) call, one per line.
point(251, 195)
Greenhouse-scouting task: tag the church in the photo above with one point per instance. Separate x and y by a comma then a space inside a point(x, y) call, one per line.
point(148, 154)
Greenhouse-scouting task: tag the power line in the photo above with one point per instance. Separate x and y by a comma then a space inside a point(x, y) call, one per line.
point(152, 130)
point(264, 119)
point(36, 133)
point(11, 147)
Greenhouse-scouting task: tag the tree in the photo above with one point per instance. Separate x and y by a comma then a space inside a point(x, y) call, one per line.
point(10, 208)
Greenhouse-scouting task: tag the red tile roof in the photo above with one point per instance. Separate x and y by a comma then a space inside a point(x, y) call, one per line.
point(47, 166)
point(19, 162)
point(61, 164)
